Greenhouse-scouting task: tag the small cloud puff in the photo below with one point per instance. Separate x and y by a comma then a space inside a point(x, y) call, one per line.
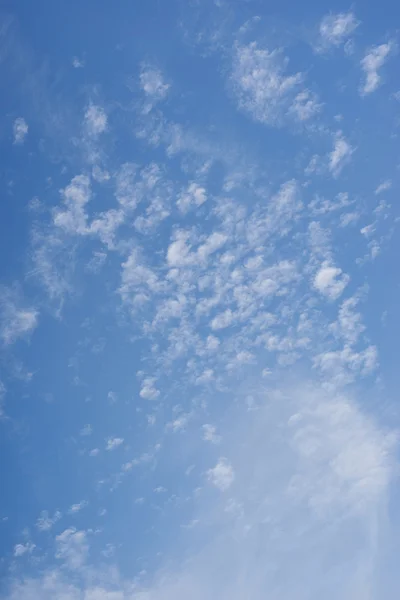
point(152, 83)
point(20, 130)
point(222, 475)
point(95, 120)
point(330, 281)
point(113, 443)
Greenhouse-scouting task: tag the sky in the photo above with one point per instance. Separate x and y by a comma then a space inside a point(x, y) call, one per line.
point(198, 296)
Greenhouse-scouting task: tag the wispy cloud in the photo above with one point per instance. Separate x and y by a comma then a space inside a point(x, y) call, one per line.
point(265, 91)
point(372, 62)
point(17, 319)
point(335, 29)
point(328, 495)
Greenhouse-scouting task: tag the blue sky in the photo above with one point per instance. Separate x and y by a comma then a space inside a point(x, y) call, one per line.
point(199, 288)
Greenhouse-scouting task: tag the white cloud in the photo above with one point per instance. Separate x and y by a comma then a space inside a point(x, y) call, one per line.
point(349, 323)
point(210, 434)
point(335, 29)
point(330, 281)
point(73, 219)
point(95, 120)
point(113, 443)
point(72, 548)
point(86, 430)
point(153, 84)
point(148, 390)
point(261, 85)
point(222, 475)
point(16, 319)
point(78, 63)
point(383, 187)
point(340, 155)
point(195, 195)
point(45, 522)
point(21, 549)
point(305, 106)
point(372, 62)
point(75, 508)
point(312, 475)
point(344, 366)
point(20, 129)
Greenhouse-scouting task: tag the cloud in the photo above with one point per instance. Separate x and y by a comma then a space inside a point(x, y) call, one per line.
point(113, 443)
point(153, 84)
point(2, 395)
point(17, 320)
point(372, 62)
point(304, 517)
point(20, 130)
point(45, 522)
point(148, 390)
point(86, 430)
point(95, 120)
point(21, 549)
point(340, 155)
point(210, 434)
point(73, 219)
point(335, 29)
point(330, 281)
point(383, 187)
point(194, 196)
point(264, 90)
point(222, 475)
point(72, 548)
point(75, 508)
point(78, 63)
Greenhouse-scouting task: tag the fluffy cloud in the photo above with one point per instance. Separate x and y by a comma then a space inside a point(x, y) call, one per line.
point(372, 62)
point(17, 320)
point(222, 475)
point(265, 91)
point(330, 281)
point(113, 443)
point(95, 120)
point(20, 130)
point(153, 84)
point(335, 29)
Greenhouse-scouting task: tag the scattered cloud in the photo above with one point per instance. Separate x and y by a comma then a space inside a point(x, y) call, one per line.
point(72, 548)
point(78, 63)
point(148, 390)
point(222, 475)
point(372, 62)
point(335, 29)
point(21, 549)
point(20, 130)
point(265, 91)
point(330, 281)
point(95, 120)
point(75, 508)
point(45, 522)
point(340, 155)
point(383, 187)
point(113, 443)
point(210, 434)
point(86, 430)
point(17, 320)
